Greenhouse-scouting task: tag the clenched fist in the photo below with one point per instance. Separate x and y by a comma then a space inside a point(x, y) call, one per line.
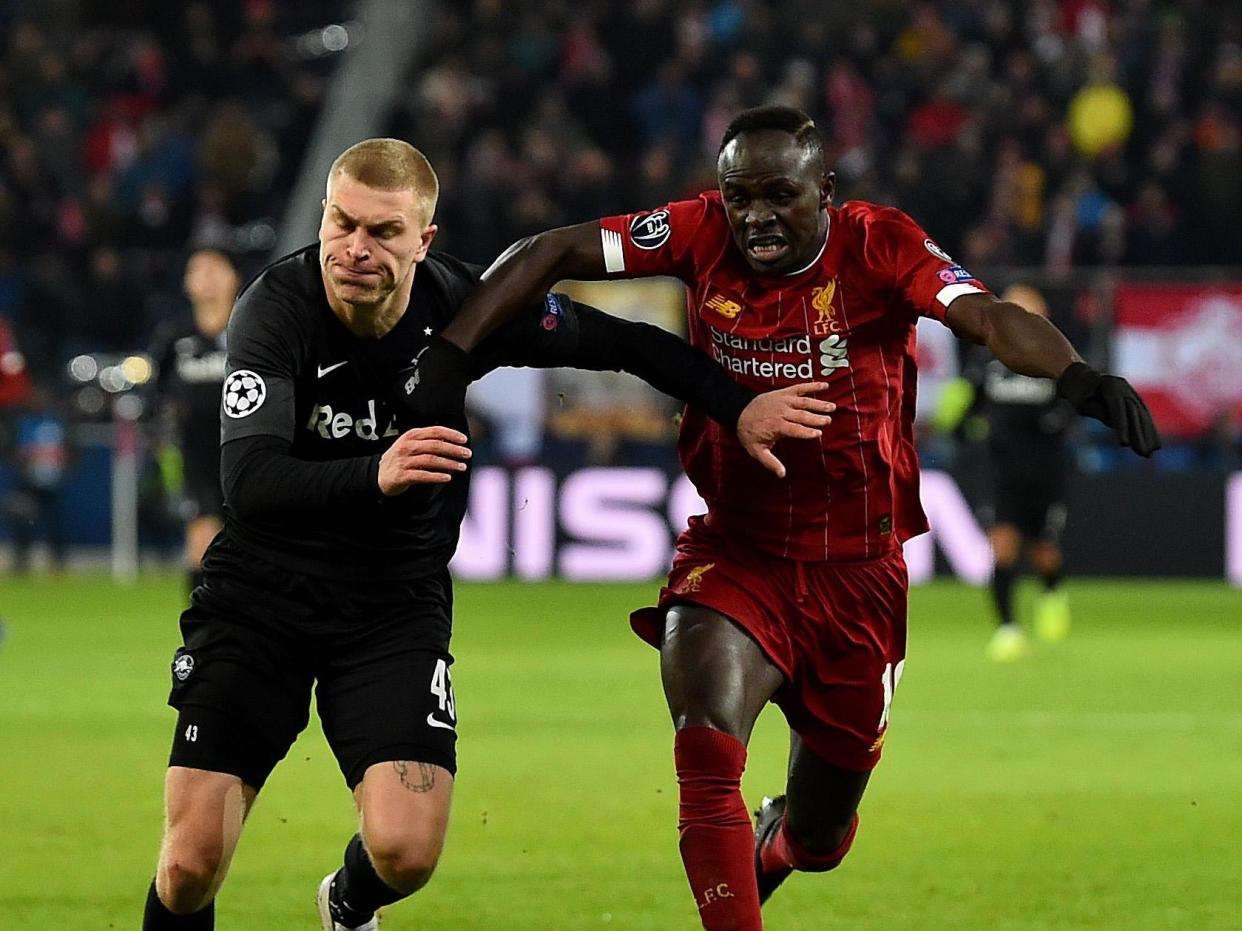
point(423, 456)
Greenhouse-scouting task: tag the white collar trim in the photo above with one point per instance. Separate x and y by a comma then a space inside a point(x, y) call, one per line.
point(819, 255)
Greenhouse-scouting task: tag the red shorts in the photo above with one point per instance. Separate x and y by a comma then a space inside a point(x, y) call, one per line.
point(836, 630)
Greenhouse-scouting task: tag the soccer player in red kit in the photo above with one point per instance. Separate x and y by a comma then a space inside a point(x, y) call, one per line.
point(792, 588)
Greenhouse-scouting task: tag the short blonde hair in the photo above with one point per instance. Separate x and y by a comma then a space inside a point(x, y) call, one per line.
point(390, 165)
point(1026, 297)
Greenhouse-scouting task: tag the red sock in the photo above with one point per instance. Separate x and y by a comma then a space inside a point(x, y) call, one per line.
point(717, 840)
point(783, 852)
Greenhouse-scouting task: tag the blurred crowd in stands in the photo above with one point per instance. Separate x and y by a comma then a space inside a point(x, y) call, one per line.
point(1067, 137)
point(131, 131)
point(1062, 137)
point(1050, 133)
point(1053, 133)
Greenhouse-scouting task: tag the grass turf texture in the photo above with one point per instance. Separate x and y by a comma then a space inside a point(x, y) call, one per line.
point(1096, 784)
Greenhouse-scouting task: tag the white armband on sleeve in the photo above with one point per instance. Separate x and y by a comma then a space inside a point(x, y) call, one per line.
point(949, 293)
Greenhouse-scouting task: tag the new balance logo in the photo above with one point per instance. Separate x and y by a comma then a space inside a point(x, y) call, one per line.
point(723, 306)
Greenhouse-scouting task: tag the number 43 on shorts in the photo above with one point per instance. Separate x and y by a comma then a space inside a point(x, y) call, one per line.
point(442, 689)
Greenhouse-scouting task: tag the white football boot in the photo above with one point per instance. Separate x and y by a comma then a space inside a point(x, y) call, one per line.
point(325, 910)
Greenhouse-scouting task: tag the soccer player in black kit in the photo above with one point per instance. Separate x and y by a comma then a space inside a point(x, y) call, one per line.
point(342, 513)
point(191, 366)
point(1026, 421)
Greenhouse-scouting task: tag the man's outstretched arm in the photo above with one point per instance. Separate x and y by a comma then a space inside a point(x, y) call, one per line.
point(1030, 345)
point(522, 274)
point(575, 335)
point(671, 365)
point(437, 377)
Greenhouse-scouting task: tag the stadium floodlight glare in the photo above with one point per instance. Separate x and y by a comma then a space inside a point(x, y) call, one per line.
point(113, 380)
point(335, 38)
point(129, 407)
point(100, 379)
point(137, 369)
point(83, 368)
point(330, 40)
point(90, 401)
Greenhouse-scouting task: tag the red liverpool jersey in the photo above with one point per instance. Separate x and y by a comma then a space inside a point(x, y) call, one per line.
point(847, 319)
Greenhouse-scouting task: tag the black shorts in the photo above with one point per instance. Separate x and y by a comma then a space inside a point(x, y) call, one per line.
point(1035, 505)
point(257, 638)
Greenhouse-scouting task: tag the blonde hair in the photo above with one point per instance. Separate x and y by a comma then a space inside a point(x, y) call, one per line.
point(390, 165)
point(1026, 297)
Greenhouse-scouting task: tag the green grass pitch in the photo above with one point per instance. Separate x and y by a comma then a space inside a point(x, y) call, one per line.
point(1097, 784)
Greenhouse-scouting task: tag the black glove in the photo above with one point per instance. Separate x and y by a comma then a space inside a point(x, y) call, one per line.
point(1113, 402)
point(433, 386)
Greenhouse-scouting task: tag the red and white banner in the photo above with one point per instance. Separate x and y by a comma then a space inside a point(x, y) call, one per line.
point(936, 357)
point(1181, 348)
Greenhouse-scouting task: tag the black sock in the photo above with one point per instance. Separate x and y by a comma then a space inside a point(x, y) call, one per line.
point(1052, 579)
point(357, 890)
point(155, 917)
point(1003, 578)
point(194, 578)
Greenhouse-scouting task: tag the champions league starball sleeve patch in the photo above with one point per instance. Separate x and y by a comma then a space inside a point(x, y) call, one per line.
point(244, 393)
point(638, 245)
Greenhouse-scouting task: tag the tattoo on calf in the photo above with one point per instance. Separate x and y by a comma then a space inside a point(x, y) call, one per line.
point(424, 780)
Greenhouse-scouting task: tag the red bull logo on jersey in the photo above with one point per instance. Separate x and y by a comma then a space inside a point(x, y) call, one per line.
point(336, 425)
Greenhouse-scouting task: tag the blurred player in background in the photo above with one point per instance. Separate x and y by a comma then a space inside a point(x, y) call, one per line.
point(40, 454)
point(191, 364)
point(1026, 424)
point(792, 589)
point(342, 512)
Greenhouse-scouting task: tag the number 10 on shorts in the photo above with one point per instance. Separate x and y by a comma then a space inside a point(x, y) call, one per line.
point(889, 680)
point(442, 689)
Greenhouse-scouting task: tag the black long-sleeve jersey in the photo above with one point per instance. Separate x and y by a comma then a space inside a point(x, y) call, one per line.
point(1026, 422)
point(308, 408)
point(190, 370)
